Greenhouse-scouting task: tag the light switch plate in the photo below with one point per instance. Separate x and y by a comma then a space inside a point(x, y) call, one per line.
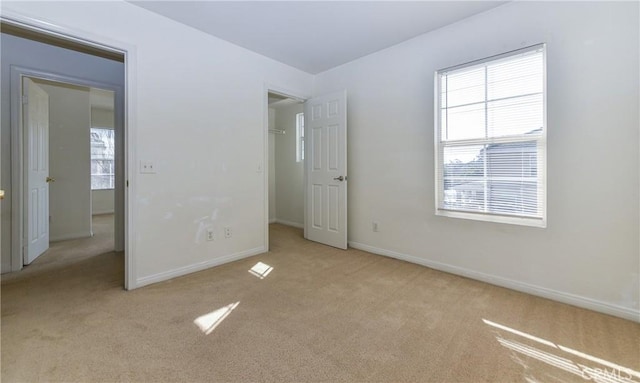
point(147, 167)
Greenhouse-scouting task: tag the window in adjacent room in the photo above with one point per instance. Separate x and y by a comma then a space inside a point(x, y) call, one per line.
point(102, 159)
point(299, 137)
point(490, 139)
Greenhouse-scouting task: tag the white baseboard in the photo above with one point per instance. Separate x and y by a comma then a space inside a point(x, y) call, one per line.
point(290, 223)
point(571, 299)
point(161, 277)
point(67, 237)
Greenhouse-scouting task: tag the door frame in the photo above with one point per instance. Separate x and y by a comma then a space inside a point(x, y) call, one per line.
point(18, 150)
point(128, 152)
point(270, 88)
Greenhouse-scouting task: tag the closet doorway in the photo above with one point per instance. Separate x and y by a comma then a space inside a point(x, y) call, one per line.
point(286, 160)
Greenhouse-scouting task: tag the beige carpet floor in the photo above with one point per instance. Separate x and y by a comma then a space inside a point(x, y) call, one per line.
point(306, 313)
point(72, 252)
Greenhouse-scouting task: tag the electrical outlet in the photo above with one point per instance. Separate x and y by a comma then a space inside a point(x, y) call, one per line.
point(374, 226)
point(210, 235)
point(227, 232)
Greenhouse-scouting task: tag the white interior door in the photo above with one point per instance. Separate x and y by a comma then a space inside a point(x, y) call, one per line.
point(326, 169)
point(36, 128)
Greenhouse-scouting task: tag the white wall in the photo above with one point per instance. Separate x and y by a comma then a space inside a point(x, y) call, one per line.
point(588, 255)
point(69, 161)
point(199, 107)
point(102, 201)
point(102, 118)
point(272, 166)
point(25, 53)
point(289, 173)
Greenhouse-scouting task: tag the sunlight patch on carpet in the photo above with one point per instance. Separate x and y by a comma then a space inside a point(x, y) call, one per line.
point(208, 322)
point(586, 366)
point(260, 270)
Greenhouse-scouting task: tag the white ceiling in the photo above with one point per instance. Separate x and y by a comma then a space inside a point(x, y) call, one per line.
point(315, 36)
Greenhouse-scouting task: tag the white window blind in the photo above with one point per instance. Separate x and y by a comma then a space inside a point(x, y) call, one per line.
point(491, 139)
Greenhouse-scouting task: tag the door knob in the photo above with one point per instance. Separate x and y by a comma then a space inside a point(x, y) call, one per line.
point(51, 179)
point(341, 178)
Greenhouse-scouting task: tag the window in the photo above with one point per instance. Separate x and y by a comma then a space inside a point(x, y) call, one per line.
point(102, 159)
point(299, 137)
point(490, 139)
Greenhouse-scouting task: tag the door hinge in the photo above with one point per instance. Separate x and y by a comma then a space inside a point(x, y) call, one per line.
point(25, 99)
point(127, 183)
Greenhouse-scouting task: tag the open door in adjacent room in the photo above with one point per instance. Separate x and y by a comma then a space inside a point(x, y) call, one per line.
point(35, 109)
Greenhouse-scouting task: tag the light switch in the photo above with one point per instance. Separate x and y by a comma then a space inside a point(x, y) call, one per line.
point(147, 167)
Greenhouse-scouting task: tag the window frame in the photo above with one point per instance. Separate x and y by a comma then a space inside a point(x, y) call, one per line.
point(541, 141)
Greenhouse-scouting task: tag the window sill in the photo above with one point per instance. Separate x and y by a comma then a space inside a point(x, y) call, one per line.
point(522, 221)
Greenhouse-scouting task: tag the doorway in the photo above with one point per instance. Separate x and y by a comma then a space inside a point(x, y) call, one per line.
point(77, 156)
point(72, 54)
point(286, 160)
point(315, 190)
